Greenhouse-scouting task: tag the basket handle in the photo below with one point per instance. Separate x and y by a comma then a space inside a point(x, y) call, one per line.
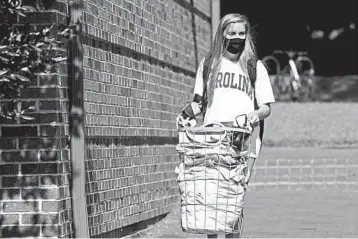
point(192, 139)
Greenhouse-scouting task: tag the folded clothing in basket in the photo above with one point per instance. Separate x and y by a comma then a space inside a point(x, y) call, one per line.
point(210, 177)
point(202, 172)
point(216, 155)
point(212, 198)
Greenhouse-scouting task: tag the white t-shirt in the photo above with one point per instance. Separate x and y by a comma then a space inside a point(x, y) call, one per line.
point(233, 94)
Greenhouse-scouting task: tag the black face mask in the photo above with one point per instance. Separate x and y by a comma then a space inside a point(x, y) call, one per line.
point(235, 45)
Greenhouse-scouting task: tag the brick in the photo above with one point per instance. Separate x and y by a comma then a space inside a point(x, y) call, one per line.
point(8, 169)
point(295, 171)
point(25, 149)
point(49, 130)
point(319, 171)
point(9, 194)
point(58, 143)
point(64, 167)
point(272, 171)
point(30, 143)
point(23, 181)
point(39, 193)
point(21, 206)
point(306, 171)
point(43, 143)
point(50, 118)
point(8, 143)
point(19, 131)
point(330, 161)
point(342, 171)
point(50, 155)
point(65, 192)
point(45, 17)
point(9, 219)
point(65, 155)
point(342, 178)
point(43, 168)
point(34, 219)
point(49, 179)
point(307, 186)
point(65, 179)
point(26, 104)
point(20, 231)
point(65, 216)
point(52, 206)
point(330, 171)
point(303, 179)
point(103, 89)
point(49, 80)
point(50, 105)
point(66, 229)
point(284, 178)
point(23, 156)
point(50, 231)
point(284, 172)
point(42, 93)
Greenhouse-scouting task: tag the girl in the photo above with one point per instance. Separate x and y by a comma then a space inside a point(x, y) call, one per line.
point(224, 89)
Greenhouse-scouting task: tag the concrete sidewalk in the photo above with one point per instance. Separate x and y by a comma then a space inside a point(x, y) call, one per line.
point(295, 192)
point(283, 213)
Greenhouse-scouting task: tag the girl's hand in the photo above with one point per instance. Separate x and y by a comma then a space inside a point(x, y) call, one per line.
point(182, 122)
point(247, 178)
point(253, 118)
point(179, 121)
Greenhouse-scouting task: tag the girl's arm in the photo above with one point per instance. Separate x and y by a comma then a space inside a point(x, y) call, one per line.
point(250, 166)
point(254, 118)
point(260, 114)
point(264, 111)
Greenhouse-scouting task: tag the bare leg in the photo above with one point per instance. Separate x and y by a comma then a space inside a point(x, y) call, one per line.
point(212, 235)
point(233, 235)
point(239, 233)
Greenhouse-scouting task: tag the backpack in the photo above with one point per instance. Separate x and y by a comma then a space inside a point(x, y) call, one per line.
point(251, 68)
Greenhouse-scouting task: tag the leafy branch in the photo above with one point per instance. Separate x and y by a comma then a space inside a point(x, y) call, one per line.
point(25, 53)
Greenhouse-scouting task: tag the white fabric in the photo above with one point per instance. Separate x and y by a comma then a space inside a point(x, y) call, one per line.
point(234, 94)
point(198, 144)
point(211, 198)
point(211, 187)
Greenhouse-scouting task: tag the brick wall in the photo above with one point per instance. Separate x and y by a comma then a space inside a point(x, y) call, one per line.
point(140, 59)
point(34, 155)
point(311, 168)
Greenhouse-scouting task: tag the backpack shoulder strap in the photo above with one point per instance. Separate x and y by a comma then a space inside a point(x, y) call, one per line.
point(205, 83)
point(251, 68)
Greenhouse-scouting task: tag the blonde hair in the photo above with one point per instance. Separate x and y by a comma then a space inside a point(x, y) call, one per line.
point(213, 59)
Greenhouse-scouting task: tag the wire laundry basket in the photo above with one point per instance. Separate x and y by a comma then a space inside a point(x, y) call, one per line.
point(213, 165)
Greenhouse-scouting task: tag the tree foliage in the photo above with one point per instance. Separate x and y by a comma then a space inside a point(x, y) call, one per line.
point(26, 52)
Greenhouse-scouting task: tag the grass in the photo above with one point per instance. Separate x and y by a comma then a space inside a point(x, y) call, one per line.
point(331, 121)
point(322, 124)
